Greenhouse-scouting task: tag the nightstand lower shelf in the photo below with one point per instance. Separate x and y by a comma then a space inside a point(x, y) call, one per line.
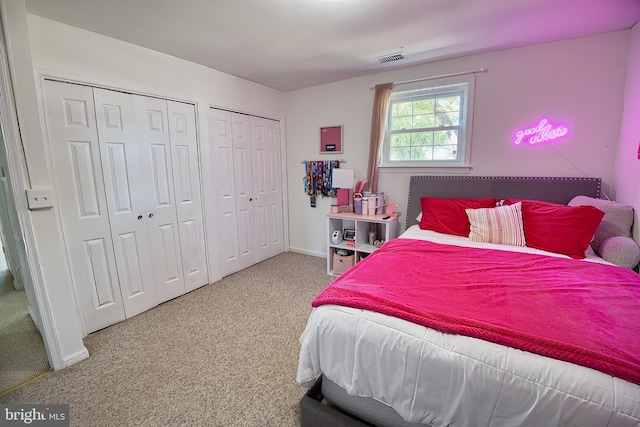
point(362, 225)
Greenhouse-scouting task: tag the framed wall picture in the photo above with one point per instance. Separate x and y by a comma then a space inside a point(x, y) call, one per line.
point(331, 139)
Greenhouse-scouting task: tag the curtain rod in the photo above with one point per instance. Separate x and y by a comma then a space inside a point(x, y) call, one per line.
point(462, 73)
point(304, 161)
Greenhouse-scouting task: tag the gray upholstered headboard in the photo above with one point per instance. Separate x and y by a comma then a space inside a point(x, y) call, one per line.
point(550, 189)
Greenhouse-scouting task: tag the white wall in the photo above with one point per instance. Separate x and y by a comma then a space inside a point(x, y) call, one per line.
point(579, 82)
point(63, 51)
point(627, 180)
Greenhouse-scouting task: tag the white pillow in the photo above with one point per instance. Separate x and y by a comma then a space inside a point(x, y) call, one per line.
point(501, 225)
point(621, 251)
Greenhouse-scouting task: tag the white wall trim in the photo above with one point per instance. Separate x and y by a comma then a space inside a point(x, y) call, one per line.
point(132, 88)
point(36, 320)
point(75, 357)
point(285, 186)
point(13, 142)
point(307, 252)
point(39, 79)
point(246, 111)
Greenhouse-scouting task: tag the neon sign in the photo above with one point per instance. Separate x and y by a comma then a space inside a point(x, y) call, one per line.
point(543, 132)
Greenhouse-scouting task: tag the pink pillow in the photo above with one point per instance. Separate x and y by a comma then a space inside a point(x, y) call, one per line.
point(561, 229)
point(448, 215)
point(501, 225)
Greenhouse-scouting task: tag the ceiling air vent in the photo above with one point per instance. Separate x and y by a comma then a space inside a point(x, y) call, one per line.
point(391, 57)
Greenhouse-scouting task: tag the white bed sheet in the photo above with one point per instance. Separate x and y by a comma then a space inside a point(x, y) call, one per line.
point(414, 232)
point(442, 379)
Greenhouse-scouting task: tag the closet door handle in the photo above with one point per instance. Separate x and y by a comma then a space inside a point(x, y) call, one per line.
point(150, 215)
point(139, 217)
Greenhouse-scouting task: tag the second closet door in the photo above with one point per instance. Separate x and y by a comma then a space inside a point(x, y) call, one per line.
point(249, 174)
point(266, 178)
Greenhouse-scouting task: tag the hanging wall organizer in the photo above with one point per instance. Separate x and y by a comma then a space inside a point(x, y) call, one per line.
point(317, 179)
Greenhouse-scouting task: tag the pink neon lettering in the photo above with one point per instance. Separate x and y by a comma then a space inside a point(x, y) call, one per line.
point(542, 132)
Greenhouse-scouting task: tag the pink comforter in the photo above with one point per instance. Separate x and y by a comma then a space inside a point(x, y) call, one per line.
point(572, 310)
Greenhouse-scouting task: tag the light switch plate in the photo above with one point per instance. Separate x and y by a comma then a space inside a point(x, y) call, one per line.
point(39, 198)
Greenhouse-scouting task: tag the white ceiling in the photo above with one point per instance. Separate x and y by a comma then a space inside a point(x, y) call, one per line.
point(293, 44)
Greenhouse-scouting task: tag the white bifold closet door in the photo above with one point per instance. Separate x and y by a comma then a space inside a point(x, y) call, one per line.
point(127, 179)
point(75, 155)
point(248, 162)
point(266, 162)
point(160, 212)
point(188, 198)
point(120, 165)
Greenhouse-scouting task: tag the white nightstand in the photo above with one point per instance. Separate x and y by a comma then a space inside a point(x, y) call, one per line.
point(386, 229)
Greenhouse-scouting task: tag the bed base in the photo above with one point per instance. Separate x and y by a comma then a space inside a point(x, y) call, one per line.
point(327, 402)
point(315, 411)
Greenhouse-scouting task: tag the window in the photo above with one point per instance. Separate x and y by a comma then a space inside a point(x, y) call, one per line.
point(427, 126)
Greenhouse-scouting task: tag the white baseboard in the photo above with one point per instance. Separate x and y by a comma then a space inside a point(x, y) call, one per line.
point(75, 357)
point(306, 252)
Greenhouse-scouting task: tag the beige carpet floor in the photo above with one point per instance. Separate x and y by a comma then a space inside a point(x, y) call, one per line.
point(22, 352)
point(223, 355)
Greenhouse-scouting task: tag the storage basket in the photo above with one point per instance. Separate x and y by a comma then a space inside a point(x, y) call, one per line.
point(342, 263)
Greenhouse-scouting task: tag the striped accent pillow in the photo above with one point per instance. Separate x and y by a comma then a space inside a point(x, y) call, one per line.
point(501, 225)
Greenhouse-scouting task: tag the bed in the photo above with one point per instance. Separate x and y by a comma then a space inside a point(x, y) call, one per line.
point(384, 366)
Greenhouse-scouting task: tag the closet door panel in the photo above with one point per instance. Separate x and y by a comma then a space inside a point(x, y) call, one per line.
point(220, 136)
point(103, 293)
point(154, 146)
point(132, 268)
point(125, 198)
point(267, 186)
point(262, 238)
point(172, 268)
point(186, 179)
point(243, 169)
point(160, 179)
point(75, 156)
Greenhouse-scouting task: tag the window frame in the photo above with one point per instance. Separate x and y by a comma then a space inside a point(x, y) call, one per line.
point(421, 90)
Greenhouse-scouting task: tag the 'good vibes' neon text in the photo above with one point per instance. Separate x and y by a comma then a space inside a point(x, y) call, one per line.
point(544, 131)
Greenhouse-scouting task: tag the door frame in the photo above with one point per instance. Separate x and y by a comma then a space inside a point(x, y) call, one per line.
point(32, 274)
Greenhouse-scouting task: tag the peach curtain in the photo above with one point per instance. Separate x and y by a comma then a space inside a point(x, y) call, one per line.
point(378, 124)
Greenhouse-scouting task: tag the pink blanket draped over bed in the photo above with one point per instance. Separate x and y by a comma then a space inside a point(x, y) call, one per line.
point(571, 310)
